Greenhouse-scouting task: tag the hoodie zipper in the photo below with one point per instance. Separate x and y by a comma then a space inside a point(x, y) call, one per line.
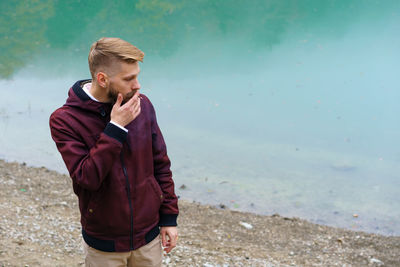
point(128, 192)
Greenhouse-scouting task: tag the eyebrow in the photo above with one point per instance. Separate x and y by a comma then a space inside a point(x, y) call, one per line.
point(129, 77)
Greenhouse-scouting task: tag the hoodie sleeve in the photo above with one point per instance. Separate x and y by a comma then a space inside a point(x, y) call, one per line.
point(87, 167)
point(162, 172)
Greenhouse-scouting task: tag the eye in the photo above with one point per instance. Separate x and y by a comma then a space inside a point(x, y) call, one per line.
point(130, 79)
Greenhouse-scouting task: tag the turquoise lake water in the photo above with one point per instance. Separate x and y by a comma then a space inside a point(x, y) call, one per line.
point(288, 107)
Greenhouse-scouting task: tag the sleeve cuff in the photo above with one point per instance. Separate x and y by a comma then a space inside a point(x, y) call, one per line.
point(115, 132)
point(116, 124)
point(168, 220)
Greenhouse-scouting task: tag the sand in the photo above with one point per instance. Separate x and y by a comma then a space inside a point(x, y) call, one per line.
point(40, 227)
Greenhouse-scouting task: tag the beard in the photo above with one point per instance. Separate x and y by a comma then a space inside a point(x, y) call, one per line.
point(113, 95)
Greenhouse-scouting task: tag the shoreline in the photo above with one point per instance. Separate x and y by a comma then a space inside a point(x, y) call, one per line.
point(40, 227)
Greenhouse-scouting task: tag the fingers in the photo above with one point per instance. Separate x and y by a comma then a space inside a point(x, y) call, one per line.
point(168, 247)
point(126, 113)
point(172, 243)
point(163, 239)
point(169, 238)
point(119, 100)
point(133, 105)
point(135, 108)
point(133, 99)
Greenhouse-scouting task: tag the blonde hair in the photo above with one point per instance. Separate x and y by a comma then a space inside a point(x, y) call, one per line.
point(106, 51)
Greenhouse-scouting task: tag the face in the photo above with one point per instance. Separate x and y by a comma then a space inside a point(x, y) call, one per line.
point(125, 82)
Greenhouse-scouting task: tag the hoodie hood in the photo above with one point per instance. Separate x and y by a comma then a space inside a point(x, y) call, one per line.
point(79, 99)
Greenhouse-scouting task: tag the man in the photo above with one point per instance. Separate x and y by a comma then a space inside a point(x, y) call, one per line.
point(108, 137)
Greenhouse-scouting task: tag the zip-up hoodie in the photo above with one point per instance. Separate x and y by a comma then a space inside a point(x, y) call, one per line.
point(123, 180)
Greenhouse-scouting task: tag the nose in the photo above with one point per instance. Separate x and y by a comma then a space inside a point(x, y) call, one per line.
point(136, 85)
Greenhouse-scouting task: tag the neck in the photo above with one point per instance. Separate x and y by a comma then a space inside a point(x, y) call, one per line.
point(99, 93)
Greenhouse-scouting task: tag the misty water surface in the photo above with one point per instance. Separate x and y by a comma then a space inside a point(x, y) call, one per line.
point(286, 107)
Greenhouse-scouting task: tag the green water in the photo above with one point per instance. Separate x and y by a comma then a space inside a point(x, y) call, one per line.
point(286, 107)
point(161, 28)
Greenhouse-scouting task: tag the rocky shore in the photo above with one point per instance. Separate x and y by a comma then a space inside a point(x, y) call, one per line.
point(40, 227)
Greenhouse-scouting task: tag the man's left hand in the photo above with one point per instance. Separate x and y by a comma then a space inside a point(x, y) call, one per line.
point(169, 236)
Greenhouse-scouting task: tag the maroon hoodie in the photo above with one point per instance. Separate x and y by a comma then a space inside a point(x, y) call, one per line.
point(123, 180)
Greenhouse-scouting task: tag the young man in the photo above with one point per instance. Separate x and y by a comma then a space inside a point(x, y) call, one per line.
point(108, 137)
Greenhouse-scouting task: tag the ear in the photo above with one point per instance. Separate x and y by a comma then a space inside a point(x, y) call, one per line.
point(102, 79)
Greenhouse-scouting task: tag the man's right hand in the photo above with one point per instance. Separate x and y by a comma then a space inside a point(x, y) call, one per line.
point(126, 113)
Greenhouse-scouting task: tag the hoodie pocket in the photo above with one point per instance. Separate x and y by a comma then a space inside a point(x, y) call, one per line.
point(92, 206)
point(156, 188)
point(147, 203)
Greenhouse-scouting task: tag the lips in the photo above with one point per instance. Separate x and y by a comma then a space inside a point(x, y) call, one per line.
point(128, 96)
point(131, 94)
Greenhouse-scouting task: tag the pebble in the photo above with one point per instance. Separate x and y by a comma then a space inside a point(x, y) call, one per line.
point(373, 260)
point(183, 187)
point(167, 260)
point(246, 225)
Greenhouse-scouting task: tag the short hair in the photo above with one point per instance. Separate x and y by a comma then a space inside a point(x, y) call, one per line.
point(106, 51)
